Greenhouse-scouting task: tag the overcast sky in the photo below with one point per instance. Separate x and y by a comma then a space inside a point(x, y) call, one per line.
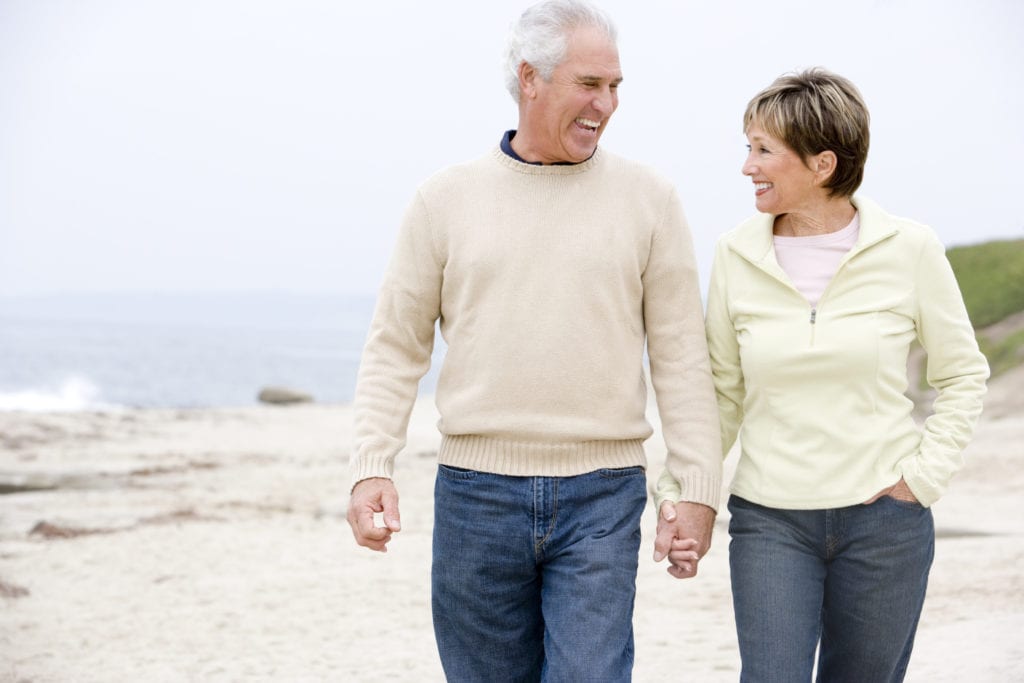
point(191, 145)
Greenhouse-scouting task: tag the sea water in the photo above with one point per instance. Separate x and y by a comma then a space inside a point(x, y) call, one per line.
point(184, 351)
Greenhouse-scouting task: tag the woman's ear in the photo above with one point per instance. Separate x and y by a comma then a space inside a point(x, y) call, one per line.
point(824, 165)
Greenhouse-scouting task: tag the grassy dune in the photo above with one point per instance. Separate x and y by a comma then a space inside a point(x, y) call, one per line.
point(991, 277)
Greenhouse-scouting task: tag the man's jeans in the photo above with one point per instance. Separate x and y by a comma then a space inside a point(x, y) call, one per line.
point(853, 576)
point(534, 577)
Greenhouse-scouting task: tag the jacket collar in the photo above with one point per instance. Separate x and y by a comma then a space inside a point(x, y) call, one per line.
point(753, 238)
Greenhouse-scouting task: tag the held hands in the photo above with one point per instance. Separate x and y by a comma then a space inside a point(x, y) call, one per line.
point(369, 497)
point(683, 536)
point(899, 491)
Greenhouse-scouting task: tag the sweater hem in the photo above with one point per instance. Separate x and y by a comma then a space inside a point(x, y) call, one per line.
point(516, 458)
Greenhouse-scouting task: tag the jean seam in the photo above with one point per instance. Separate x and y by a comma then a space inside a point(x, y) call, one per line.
point(538, 546)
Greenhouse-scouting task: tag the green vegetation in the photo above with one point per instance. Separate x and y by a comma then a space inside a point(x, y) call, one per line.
point(991, 277)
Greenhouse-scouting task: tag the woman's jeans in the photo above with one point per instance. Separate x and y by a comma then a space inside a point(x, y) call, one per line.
point(534, 577)
point(853, 577)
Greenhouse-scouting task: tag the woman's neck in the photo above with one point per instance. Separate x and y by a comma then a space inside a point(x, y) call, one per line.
point(828, 216)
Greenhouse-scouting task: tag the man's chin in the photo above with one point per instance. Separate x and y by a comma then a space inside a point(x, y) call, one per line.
point(582, 153)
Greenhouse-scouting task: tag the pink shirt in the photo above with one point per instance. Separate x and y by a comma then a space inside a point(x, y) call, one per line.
point(810, 262)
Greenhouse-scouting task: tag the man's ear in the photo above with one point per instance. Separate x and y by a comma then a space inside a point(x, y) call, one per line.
point(528, 80)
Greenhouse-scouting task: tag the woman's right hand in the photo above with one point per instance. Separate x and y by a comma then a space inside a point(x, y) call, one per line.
point(899, 491)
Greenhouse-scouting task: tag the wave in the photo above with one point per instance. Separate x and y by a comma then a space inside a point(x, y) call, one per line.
point(73, 394)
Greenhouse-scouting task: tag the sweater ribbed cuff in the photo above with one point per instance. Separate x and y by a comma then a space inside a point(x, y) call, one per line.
point(703, 489)
point(368, 467)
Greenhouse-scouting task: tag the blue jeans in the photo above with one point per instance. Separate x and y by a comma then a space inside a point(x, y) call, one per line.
point(853, 578)
point(533, 578)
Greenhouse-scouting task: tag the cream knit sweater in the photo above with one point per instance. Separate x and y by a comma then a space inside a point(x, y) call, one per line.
point(548, 281)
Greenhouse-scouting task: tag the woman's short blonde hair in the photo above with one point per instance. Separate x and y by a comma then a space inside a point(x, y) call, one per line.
point(814, 111)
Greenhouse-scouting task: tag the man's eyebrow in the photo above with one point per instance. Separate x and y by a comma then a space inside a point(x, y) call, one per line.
point(597, 79)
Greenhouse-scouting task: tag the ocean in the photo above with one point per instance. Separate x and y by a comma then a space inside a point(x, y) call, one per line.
point(198, 350)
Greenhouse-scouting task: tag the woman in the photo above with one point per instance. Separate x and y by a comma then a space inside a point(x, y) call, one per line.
point(812, 308)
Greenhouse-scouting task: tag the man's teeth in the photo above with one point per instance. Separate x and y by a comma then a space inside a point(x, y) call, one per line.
point(588, 123)
point(762, 186)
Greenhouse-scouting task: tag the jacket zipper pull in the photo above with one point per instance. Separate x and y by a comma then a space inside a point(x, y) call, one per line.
point(814, 315)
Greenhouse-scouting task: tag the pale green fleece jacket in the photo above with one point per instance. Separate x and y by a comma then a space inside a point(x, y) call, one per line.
point(547, 282)
point(817, 397)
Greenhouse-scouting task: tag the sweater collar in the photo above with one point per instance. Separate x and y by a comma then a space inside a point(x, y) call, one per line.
point(526, 168)
point(506, 147)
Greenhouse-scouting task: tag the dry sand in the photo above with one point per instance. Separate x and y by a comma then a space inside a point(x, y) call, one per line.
point(211, 546)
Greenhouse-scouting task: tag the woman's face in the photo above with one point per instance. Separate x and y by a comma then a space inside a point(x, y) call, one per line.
point(782, 181)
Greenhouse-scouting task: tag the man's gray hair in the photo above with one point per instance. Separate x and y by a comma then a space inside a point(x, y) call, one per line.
point(541, 37)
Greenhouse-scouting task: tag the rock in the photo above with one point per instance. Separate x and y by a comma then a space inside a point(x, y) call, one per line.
point(283, 396)
point(9, 590)
point(48, 530)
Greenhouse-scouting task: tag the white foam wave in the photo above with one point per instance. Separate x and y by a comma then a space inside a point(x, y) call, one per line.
point(74, 394)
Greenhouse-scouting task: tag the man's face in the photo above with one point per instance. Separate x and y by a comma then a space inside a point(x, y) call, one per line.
point(569, 113)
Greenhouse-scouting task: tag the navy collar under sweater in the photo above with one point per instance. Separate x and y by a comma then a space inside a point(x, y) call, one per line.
point(506, 147)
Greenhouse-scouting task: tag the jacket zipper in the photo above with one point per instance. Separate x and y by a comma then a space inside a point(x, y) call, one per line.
point(852, 254)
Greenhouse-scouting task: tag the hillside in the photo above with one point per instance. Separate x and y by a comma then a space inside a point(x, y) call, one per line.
point(991, 277)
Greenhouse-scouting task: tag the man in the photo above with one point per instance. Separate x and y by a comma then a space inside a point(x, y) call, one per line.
point(549, 262)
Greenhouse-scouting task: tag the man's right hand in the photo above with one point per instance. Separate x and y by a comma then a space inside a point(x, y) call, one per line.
point(369, 497)
point(683, 536)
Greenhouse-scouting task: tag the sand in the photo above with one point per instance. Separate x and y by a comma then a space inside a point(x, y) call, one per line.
point(211, 545)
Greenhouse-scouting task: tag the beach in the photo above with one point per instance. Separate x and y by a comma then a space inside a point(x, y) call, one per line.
point(211, 545)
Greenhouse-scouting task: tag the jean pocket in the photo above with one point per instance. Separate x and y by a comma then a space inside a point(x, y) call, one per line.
point(908, 504)
point(621, 472)
point(456, 473)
